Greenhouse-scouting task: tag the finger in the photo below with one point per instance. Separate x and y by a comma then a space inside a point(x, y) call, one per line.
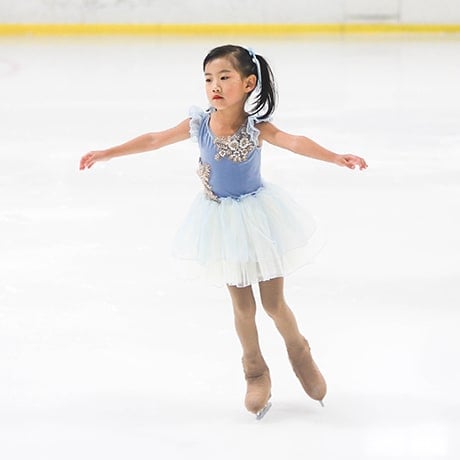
point(357, 161)
point(87, 160)
point(86, 164)
point(351, 163)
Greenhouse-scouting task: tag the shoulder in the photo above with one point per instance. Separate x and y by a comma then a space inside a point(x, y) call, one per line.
point(196, 112)
point(267, 130)
point(255, 126)
point(196, 117)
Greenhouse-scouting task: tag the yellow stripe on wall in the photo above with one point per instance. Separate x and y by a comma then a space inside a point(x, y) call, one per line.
point(219, 29)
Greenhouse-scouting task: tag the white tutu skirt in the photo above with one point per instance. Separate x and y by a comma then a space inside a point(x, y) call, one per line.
point(243, 241)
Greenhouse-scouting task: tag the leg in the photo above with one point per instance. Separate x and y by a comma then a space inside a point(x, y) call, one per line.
point(244, 310)
point(272, 295)
point(255, 369)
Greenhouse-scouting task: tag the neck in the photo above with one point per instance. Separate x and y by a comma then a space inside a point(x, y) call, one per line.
point(228, 120)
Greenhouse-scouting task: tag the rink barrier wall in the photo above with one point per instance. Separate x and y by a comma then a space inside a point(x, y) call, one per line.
point(225, 29)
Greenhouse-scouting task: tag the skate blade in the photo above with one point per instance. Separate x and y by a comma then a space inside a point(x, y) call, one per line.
point(261, 414)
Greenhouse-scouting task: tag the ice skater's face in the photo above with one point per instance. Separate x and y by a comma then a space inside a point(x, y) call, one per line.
point(225, 86)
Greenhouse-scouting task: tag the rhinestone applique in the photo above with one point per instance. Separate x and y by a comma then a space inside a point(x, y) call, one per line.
point(236, 148)
point(204, 173)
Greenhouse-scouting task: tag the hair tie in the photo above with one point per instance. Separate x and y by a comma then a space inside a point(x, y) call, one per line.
point(254, 59)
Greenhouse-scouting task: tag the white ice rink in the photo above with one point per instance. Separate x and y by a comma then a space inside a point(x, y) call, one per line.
point(106, 353)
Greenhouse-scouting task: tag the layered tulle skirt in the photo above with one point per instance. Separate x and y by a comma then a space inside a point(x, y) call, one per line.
point(243, 241)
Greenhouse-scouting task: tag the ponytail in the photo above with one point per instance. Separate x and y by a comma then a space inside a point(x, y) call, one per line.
point(265, 92)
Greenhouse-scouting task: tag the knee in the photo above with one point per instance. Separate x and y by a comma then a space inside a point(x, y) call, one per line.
point(274, 307)
point(244, 309)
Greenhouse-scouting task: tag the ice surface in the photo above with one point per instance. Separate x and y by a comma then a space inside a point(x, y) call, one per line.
point(107, 354)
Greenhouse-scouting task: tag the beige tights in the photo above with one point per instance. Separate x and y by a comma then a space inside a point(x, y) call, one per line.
point(244, 307)
point(255, 368)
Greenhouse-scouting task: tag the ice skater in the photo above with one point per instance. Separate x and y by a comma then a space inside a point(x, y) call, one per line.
point(241, 230)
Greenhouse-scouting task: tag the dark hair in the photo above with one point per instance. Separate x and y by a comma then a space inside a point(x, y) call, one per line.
point(265, 99)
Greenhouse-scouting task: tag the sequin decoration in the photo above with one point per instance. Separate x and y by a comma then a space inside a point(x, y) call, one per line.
point(204, 173)
point(236, 148)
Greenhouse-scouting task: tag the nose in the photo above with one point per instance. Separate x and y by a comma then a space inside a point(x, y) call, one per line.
point(215, 88)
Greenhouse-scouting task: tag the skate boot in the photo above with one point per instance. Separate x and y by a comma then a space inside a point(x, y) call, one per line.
point(258, 390)
point(307, 372)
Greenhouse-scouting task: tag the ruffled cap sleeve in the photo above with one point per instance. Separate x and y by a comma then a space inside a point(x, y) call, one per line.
point(251, 127)
point(197, 115)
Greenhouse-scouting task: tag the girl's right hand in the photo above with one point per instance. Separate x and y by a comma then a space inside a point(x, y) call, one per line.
point(90, 158)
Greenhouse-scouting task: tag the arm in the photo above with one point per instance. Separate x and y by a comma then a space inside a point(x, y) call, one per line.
point(144, 143)
point(304, 146)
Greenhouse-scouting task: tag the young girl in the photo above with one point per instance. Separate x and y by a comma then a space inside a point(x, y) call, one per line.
point(241, 230)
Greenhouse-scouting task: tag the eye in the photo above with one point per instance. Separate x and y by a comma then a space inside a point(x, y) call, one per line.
point(224, 77)
point(208, 80)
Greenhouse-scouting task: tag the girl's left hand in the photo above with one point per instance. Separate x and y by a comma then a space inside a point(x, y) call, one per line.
point(351, 161)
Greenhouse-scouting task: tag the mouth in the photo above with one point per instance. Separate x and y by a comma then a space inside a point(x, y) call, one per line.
point(216, 97)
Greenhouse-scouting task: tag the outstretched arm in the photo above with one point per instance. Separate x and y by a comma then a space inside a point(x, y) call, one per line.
point(304, 146)
point(144, 143)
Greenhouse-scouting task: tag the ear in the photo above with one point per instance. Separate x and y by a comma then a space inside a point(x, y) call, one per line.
point(250, 83)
